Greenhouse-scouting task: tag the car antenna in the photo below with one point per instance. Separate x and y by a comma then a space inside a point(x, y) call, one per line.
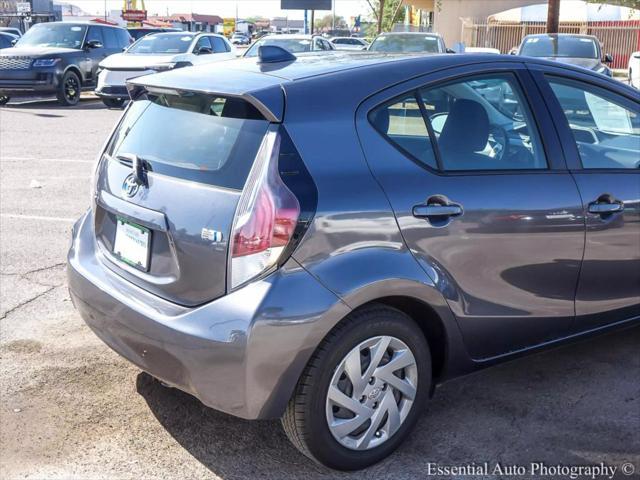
point(274, 54)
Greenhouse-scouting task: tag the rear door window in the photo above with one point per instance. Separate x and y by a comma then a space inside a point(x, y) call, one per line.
point(196, 137)
point(95, 34)
point(110, 38)
point(219, 45)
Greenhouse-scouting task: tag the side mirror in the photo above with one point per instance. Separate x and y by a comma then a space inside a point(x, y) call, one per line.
point(94, 44)
point(513, 51)
point(608, 58)
point(13, 42)
point(204, 51)
point(449, 50)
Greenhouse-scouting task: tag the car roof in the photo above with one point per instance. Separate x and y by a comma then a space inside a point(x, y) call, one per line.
point(81, 22)
point(555, 35)
point(388, 34)
point(262, 83)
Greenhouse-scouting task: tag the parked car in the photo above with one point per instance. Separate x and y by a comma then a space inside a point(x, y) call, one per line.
point(580, 50)
point(158, 52)
point(634, 69)
point(58, 58)
point(7, 40)
point(409, 42)
point(138, 32)
point(349, 43)
point(293, 43)
point(11, 30)
point(240, 39)
point(480, 209)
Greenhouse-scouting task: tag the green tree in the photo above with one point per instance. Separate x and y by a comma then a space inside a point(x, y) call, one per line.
point(387, 13)
point(326, 22)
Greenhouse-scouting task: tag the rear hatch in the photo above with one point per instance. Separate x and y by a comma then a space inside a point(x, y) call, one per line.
point(167, 188)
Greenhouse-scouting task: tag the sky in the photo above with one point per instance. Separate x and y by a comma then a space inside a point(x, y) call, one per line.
point(224, 8)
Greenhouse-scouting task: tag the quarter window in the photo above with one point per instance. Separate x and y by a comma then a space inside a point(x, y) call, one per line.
point(402, 123)
point(605, 128)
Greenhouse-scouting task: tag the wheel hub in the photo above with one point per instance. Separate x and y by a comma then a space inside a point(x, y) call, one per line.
point(371, 392)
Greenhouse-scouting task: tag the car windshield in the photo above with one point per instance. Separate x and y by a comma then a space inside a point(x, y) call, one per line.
point(161, 43)
point(577, 47)
point(53, 35)
point(406, 44)
point(293, 45)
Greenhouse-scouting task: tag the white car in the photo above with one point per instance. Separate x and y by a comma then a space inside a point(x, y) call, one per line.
point(634, 70)
point(155, 53)
point(493, 51)
point(349, 43)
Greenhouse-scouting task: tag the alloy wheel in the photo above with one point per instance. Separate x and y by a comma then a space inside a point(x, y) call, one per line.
point(371, 393)
point(71, 88)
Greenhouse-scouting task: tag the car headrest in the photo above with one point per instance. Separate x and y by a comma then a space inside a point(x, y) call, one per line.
point(467, 127)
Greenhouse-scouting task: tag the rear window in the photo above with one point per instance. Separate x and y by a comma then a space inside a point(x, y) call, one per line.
point(203, 138)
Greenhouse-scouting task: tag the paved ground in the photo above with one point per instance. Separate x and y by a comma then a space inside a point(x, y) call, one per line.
point(71, 408)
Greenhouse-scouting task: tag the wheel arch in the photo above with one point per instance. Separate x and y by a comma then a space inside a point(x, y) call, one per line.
point(74, 68)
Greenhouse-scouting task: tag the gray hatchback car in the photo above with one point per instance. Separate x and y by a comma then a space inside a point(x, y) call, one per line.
point(327, 238)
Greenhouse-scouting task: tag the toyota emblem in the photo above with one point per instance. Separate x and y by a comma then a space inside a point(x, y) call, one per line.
point(130, 186)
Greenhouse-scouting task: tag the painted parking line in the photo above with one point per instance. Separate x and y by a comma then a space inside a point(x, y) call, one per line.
point(34, 159)
point(37, 217)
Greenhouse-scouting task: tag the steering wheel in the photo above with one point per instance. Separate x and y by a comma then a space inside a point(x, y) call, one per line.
point(498, 141)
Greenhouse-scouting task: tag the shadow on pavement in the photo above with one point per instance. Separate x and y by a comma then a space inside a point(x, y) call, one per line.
point(575, 405)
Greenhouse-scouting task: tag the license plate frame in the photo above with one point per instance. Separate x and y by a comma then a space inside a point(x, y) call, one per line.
point(127, 236)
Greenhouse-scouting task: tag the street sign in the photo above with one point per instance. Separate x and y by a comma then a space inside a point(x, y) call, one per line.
point(134, 15)
point(306, 4)
point(23, 7)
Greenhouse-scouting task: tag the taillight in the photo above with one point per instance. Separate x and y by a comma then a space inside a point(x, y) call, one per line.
point(266, 216)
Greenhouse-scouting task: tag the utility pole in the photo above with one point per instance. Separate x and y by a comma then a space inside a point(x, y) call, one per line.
point(105, 10)
point(333, 23)
point(313, 20)
point(553, 16)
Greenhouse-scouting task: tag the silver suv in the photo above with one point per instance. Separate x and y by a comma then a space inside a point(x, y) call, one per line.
point(395, 223)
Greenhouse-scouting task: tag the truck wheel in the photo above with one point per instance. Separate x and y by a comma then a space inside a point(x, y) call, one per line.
point(69, 89)
point(4, 99)
point(113, 102)
point(362, 391)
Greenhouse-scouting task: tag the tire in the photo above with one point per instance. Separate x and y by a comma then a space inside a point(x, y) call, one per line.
point(306, 420)
point(4, 99)
point(113, 102)
point(69, 89)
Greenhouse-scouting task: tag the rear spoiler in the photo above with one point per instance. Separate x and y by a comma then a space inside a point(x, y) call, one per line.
point(264, 92)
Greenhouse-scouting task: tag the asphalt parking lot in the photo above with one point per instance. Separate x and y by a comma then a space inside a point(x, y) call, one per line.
point(71, 408)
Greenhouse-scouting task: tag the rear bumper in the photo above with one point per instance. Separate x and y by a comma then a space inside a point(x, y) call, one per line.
point(242, 353)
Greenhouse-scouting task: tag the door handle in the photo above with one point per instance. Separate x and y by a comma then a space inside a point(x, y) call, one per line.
point(435, 210)
point(604, 208)
point(605, 205)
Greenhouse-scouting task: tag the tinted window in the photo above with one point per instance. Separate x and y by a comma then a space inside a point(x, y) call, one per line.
point(124, 39)
point(411, 43)
point(402, 123)
point(162, 43)
point(606, 129)
point(202, 42)
point(95, 35)
point(219, 45)
point(483, 123)
point(5, 41)
point(561, 46)
point(110, 38)
point(197, 137)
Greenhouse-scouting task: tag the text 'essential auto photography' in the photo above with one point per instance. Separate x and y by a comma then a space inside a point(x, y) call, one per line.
point(319, 239)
